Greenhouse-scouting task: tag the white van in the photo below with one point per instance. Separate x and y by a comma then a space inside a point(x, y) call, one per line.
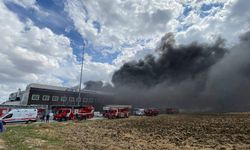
point(139, 112)
point(97, 114)
point(20, 115)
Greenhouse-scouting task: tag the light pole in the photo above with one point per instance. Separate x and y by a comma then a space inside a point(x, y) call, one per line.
point(80, 86)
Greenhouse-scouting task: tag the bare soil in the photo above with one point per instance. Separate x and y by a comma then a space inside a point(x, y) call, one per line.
point(230, 131)
point(2, 145)
point(183, 131)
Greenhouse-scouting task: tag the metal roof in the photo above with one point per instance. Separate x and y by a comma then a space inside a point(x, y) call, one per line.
point(60, 88)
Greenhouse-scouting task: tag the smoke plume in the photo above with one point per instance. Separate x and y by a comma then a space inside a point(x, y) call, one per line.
point(174, 65)
point(98, 85)
point(194, 77)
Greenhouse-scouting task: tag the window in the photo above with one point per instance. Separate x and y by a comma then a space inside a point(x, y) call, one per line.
point(55, 98)
point(88, 100)
point(63, 98)
point(78, 99)
point(35, 97)
point(85, 100)
point(71, 99)
point(8, 116)
point(91, 100)
point(45, 98)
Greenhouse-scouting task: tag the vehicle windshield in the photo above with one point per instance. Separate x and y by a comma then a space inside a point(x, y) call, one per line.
point(8, 116)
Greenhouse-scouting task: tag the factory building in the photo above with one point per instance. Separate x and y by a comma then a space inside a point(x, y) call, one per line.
point(55, 96)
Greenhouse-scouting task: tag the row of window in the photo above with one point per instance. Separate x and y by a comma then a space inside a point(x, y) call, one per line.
point(36, 97)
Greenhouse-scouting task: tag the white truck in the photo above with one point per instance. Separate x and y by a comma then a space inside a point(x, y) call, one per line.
point(139, 112)
point(20, 115)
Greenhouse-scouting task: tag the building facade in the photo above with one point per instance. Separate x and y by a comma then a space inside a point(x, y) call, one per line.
point(54, 96)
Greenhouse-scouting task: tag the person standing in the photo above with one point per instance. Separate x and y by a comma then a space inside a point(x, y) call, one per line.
point(1, 126)
point(43, 117)
point(47, 117)
point(51, 115)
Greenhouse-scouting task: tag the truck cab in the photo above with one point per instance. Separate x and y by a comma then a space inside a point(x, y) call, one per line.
point(80, 113)
point(116, 111)
point(63, 114)
point(151, 112)
point(172, 111)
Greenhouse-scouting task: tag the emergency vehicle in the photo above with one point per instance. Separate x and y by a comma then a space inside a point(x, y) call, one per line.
point(69, 113)
point(116, 111)
point(20, 115)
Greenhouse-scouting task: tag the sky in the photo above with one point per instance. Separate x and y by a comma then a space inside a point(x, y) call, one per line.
point(42, 40)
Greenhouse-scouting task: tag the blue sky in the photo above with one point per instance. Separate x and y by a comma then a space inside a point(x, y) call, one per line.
point(49, 34)
point(60, 23)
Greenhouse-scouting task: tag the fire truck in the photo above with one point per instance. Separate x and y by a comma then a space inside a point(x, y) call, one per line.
point(116, 111)
point(72, 113)
point(151, 112)
point(172, 111)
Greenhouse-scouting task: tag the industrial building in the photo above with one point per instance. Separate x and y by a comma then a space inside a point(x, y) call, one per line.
point(55, 96)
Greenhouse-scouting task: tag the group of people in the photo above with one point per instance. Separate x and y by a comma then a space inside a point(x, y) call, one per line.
point(47, 116)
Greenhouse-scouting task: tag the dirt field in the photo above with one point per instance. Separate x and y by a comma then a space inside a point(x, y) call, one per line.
point(231, 131)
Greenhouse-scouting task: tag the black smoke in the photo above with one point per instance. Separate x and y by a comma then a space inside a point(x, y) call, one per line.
point(194, 77)
point(98, 85)
point(175, 64)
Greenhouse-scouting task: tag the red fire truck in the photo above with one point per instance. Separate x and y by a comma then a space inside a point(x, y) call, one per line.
point(151, 112)
point(172, 110)
point(116, 111)
point(69, 113)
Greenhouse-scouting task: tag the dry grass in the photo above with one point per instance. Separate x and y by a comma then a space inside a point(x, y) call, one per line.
point(192, 131)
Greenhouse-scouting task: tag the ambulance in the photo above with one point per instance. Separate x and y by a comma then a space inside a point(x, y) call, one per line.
point(20, 115)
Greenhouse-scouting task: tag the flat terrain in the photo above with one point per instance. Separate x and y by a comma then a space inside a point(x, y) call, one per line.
point(184, 131)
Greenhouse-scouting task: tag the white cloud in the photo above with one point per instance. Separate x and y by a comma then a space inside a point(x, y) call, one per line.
point(28, 51)
point(32, 54)
point(223, 23)
point(24, 3)
point(121, 21)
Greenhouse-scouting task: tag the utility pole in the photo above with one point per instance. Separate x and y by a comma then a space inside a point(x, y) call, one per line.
point(80, 86)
